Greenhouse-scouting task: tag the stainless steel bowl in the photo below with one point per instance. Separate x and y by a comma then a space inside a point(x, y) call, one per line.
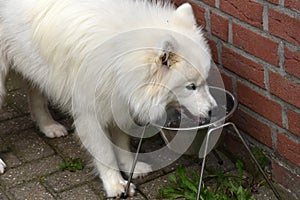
point(186, 139)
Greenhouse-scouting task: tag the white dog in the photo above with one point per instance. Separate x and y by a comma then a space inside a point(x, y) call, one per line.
point(109, 63)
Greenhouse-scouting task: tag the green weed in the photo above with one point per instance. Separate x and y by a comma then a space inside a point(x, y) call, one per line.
point(72, 165)
point(217, 186)
point(260, 156)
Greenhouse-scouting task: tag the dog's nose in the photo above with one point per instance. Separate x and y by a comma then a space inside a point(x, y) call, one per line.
point(209, 113)
point(206, 119)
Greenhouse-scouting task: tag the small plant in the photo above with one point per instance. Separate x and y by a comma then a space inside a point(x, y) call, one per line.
point(218, 186)
point(72, 165)
point(185, 186)
point(260, 156)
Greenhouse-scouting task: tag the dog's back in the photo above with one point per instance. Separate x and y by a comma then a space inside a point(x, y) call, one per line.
point(42, 38)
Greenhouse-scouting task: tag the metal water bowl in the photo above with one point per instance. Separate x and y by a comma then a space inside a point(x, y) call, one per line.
point(185, 136)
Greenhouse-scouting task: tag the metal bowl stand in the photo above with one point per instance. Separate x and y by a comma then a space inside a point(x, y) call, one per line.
point(211, 130)
point(214, 128)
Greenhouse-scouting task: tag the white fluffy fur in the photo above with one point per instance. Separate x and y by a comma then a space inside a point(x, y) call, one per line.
point(78, 53)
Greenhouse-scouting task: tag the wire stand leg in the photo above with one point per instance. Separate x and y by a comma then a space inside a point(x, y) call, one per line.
point(255, 161)
point(203, 164)
point(125, 194)
point(249, 151)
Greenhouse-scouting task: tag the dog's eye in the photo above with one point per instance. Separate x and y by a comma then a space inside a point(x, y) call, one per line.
point(191, 87)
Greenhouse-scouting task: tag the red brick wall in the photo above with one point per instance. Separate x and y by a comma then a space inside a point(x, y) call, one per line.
point(256, 47)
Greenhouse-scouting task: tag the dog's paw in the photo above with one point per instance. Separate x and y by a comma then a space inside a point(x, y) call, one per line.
point(2, 166)
point(54, 130)
point(115, 186)
point(141, 169)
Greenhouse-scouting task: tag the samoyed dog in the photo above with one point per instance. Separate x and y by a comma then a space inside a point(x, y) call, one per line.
point(112, 64)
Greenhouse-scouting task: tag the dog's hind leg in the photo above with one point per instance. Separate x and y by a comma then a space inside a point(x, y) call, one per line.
point(38, 105)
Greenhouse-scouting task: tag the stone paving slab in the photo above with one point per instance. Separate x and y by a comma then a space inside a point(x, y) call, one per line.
point(14, 125)
point(8, 113)
point(33, 190)
point(3, 196)
point(68, 147)
point(64, 180)
point(11, 159)
point(83, 192)
point(29, 146)
point(29, 171)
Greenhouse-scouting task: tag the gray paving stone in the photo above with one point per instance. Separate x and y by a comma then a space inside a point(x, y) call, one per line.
point(14, 81)
point(151, 188)
point(15, 125)
point(82, 193)
point(10, 159)
point(29, 146)
point(3, 145)
point(29, 171)
point(69, 147)
point(65, 180)
point(97, 186)
point(3, 196)
point(30, 191)
point(18, 100)
point(8, 113)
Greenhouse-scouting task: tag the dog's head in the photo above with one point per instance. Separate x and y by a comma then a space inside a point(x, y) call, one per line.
point(179, 75)
point(174, 70)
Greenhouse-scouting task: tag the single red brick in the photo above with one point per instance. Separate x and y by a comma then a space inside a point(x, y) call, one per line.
point(286, 177)
point(260, 103)
point(210, 2)
point(284, 88)
point(199, 14)
point(284, 26)
point(253, 127)
point(288, 148)
point(294, 122)
point(292, 62)
point(255, 44)
point(214, 51)
point(243, 66)
point(247, 10)
point(227, 80)
point(219, 26)
point(292, 4)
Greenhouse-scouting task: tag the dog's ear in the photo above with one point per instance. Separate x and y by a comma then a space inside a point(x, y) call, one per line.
point(185, 14)
point(166, 51)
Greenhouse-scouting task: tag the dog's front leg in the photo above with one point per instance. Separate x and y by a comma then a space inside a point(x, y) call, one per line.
point(98, 143)
point(125, 156)
point(38, 105)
